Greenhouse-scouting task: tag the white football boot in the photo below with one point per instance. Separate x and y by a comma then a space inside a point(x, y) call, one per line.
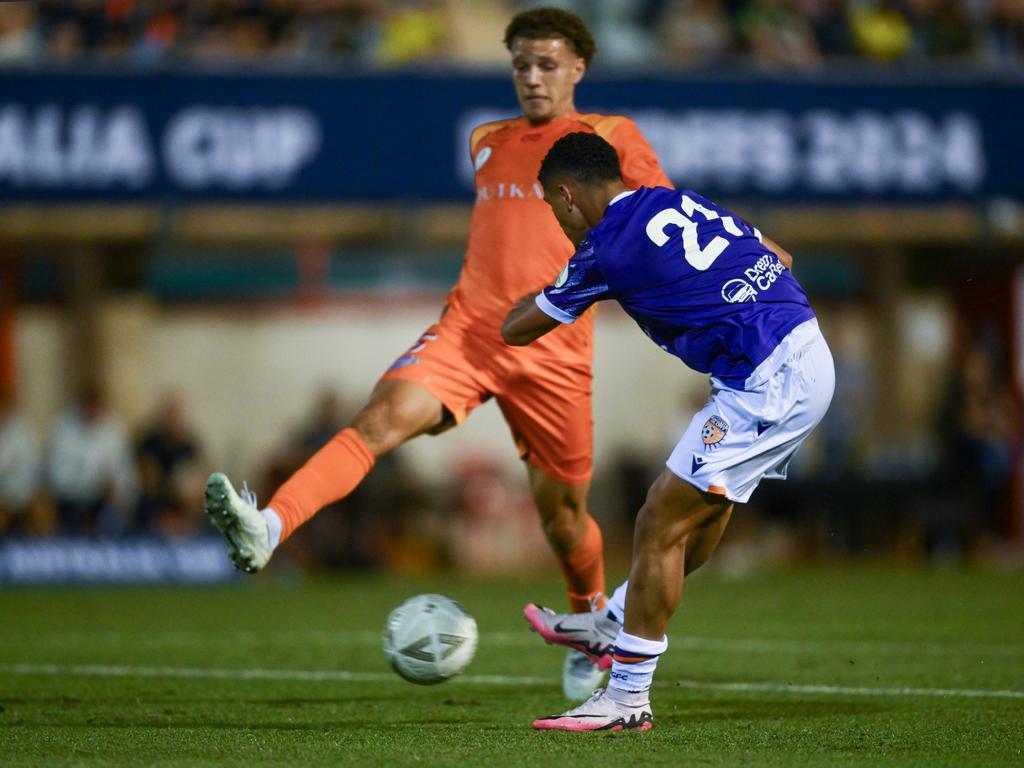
point(580, 675)
point(243, 525)
point(600, 713)
point(592, 633)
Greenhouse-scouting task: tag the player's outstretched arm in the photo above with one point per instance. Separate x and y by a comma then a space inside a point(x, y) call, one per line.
point(526, 322)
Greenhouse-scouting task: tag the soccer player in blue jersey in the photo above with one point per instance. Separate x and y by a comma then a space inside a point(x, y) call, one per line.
point(706, 287)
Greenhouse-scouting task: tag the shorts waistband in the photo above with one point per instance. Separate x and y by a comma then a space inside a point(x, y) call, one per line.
point(792, 342)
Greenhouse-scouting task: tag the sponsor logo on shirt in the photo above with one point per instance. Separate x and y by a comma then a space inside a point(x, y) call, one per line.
point(481, 158)
point(507, 190)
point(737, 291)
point(763, 274)
point(765, 271)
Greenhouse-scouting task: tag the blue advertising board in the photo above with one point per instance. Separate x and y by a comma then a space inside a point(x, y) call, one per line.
point(173, 136)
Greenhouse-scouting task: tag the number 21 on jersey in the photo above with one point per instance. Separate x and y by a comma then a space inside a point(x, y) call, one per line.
point(698, 258)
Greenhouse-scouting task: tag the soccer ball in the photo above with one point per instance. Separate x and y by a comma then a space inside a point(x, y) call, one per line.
point(429, 638)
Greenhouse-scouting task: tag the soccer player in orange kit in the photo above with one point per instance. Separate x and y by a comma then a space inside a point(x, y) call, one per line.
point(544, 390)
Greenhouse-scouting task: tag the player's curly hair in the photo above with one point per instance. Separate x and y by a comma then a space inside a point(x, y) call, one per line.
point(583, 157)
point(544, 23)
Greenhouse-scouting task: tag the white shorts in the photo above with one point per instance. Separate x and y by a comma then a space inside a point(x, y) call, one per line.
point(741, 436)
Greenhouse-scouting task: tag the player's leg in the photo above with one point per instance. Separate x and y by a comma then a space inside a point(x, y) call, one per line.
point(427, 389)
point(574, 536)
point(737, 439)
point(547, 408)
point(396, 411)
point(676, 522)
point(704, 541)
point(595, 633)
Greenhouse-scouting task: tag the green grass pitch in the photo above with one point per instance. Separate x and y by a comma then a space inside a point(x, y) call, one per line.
point(855, 665)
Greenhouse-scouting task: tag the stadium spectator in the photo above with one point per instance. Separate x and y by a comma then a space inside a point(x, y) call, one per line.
point(362, 530)
point(778, 32)
point(90, 469)
point(777, 35)
point(495, 528)
point(881, 30)
point(328, 416)
point(167, 455)
point(19, 35)
point(829, 25)
point(695, 32)
point(20, 461)
point(979, 427)
point(1004, 35)
point(414, 30)
point(941, 29)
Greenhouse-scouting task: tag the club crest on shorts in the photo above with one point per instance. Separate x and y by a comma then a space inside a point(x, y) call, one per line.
point(714, 430)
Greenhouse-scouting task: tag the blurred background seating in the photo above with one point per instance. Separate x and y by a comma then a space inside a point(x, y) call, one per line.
point(154, 326)
point(798, 34)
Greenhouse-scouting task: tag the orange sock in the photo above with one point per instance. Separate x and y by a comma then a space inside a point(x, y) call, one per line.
point(332, 473)
point(584, 569)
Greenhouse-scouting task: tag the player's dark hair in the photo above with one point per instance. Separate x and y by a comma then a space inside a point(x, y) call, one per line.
point(583, 157)
point(544, 23)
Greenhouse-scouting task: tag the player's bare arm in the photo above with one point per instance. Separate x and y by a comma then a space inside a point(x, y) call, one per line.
point(526, 322)
point(784, 256)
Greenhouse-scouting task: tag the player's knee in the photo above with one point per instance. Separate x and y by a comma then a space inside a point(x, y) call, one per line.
point(388, 421)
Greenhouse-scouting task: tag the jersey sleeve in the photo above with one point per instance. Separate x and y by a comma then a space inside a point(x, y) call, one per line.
point(580, 285)
point(640, 166)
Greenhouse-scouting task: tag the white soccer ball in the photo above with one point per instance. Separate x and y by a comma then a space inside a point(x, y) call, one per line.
point(429, 638)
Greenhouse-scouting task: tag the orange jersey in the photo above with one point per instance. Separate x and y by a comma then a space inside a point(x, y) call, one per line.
point(515, 244)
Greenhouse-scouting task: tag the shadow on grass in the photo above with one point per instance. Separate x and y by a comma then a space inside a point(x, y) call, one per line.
point(744, 709)
point(317, 726)
point(676, 716)
point(72, 702)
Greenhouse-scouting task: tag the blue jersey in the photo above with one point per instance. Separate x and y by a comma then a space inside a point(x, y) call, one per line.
point(696, 279)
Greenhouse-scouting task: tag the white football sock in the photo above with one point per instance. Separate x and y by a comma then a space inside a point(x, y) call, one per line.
point(615, 608)
point(273, 526)
point(635, 660)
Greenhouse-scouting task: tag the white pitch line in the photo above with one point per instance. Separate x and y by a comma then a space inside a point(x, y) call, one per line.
point(95, 670)
point(525, 639)
point(305, 675)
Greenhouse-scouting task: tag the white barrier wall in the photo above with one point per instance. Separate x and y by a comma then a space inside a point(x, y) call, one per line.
point(249, 375)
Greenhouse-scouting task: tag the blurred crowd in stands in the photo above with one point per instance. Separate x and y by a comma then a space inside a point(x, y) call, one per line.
point(678, 33)
point(90, 477)
point(87, 477)
point(854, 489)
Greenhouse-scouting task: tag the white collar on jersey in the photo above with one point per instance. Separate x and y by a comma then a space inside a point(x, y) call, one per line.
point(620, 196)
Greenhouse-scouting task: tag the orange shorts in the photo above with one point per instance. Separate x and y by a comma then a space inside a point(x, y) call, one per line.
point(545, 399)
